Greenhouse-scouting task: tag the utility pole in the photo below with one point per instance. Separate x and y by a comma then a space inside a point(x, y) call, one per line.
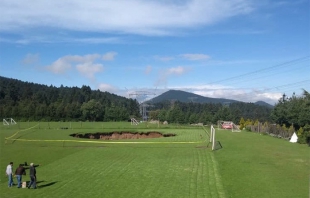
point(258, 127)
point(283, 97)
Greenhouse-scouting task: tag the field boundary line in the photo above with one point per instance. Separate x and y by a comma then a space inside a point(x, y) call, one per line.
point(100, 142)
point(9, 138)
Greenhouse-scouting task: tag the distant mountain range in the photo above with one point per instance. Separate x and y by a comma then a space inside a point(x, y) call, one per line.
point(183, 96)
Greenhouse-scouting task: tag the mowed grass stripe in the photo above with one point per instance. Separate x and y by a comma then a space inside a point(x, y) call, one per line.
point(215, 184)
point(164, 186)
point(203, 189)
point(211, 177)
point(200, 180)
point(125, 168)
point(218, 182)
point(193, 179)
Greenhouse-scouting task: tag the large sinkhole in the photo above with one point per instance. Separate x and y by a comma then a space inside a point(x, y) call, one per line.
point(115, 135)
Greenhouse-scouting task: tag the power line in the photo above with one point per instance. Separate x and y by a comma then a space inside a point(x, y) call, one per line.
point(246, 96)
point(273, 73)
point(286, 64)
point(303, 82)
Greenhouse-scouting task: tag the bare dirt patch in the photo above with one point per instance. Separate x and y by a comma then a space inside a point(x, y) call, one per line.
point(121, 135)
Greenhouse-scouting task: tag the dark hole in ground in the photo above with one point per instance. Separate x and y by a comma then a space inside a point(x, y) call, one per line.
point(121, 135)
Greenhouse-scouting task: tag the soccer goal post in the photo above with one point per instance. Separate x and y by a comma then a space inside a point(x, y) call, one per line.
point(134, 121)
point(212, 137)
point(8, 121)
point(215, 145)
point(219, 124)
point(208, 134)
point(235, 128)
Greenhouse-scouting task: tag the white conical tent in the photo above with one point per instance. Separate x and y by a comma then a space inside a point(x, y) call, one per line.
point(294, 138)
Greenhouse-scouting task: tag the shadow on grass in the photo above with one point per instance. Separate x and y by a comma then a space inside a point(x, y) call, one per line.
point(43, 185)
point(40, 181)
point(47, 185)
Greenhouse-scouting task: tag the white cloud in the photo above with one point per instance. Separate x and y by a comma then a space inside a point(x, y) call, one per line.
point(165, 74)
point(60, 66)
point(22, 41)
point(26, 39)
point(120, 16)
point(192, 57)
point(107, 88)
point(85, 58)
point(31, 59)
point(164, 58)
point(89, 69)
point(84, 64)
point(92, 40)
point(109, 56)
point(176, 70)
point(195, 57)
point(269, 97)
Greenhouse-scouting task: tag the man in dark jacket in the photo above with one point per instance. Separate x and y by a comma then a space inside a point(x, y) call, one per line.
point(33, 176)
point(19, 172)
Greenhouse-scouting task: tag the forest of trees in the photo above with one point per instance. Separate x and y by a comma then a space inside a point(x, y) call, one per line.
point(206, 113)
point(25, 101)
point(294, 112)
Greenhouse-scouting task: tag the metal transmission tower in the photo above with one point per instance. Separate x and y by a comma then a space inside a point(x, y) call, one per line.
point(140, 97)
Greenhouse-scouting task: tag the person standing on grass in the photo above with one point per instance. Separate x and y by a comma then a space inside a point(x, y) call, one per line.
point(33, 176)
point(19, 172)
point(9, 173)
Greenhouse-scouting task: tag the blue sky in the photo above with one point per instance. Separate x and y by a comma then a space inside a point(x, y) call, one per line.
point(237, 49)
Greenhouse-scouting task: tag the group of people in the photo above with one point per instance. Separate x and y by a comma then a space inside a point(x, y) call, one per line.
point(19, 172)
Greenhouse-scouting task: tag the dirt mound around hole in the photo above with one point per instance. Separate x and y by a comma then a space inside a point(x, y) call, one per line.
point(121, 135)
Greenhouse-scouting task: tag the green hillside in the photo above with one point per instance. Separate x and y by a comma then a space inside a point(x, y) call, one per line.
point(183, 96)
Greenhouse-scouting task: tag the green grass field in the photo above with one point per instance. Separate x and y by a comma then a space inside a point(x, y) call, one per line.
point(248, 165)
